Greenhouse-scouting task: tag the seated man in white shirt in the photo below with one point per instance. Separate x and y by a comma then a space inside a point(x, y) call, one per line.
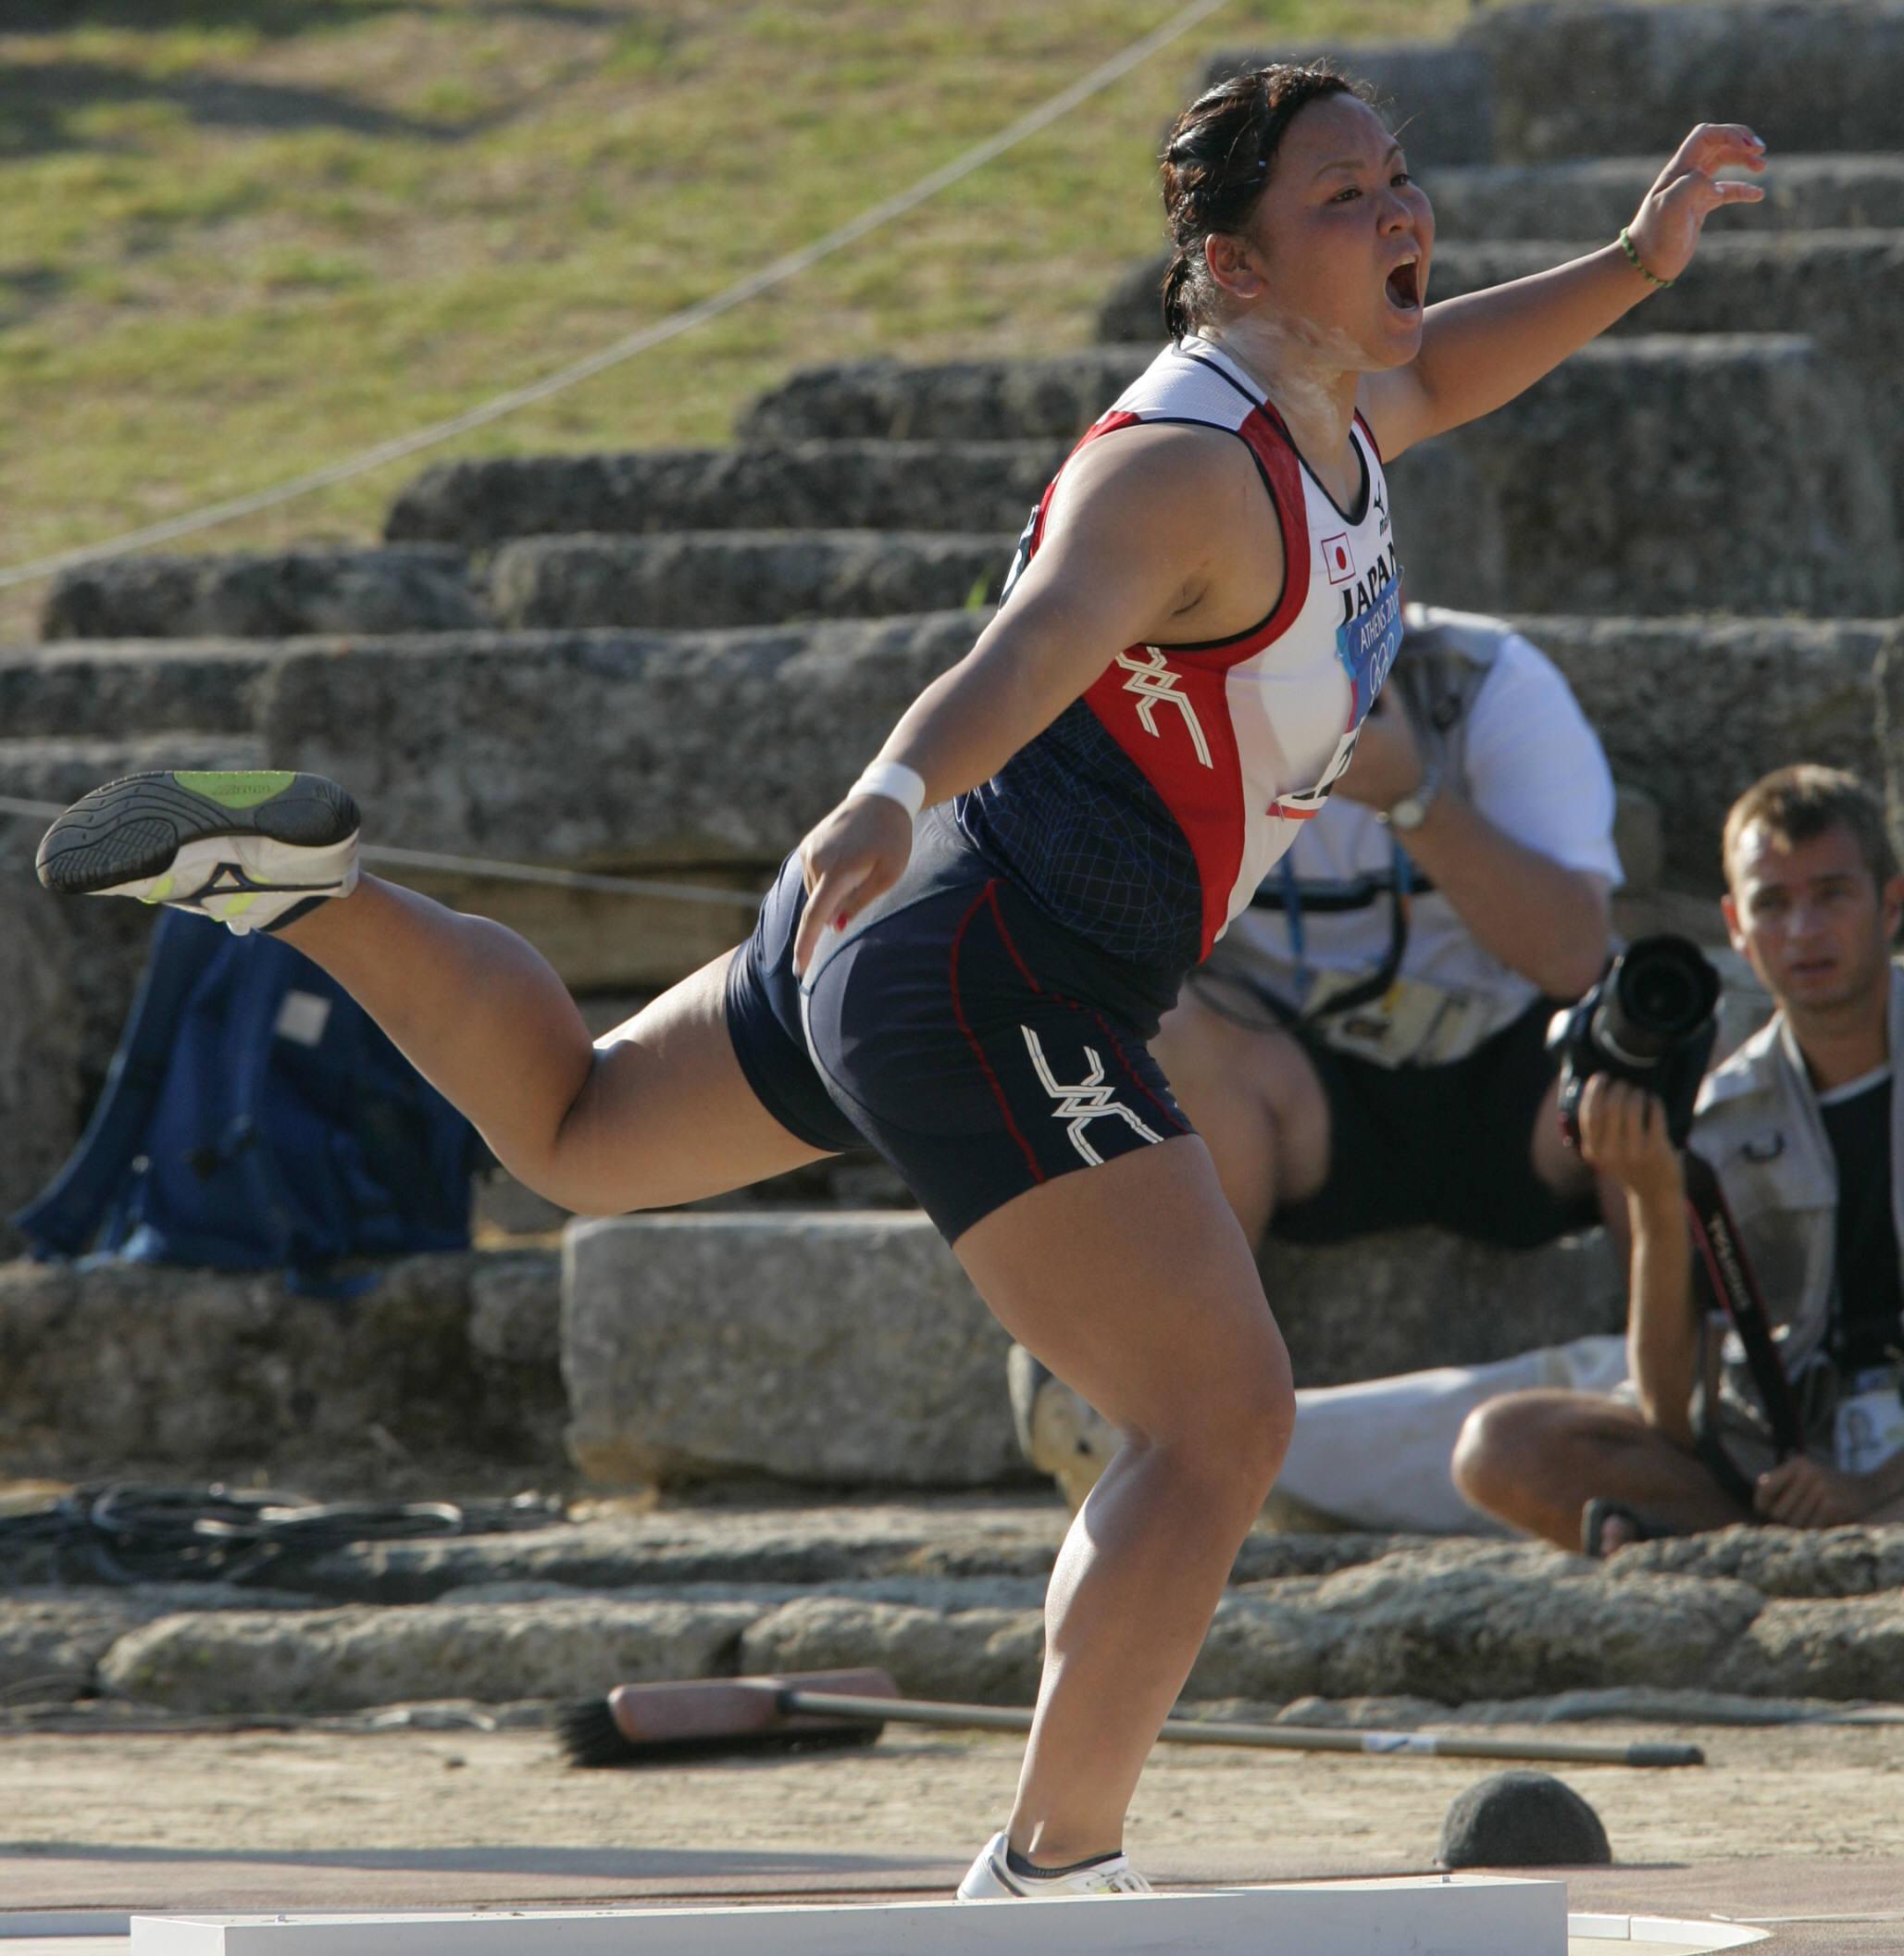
point(1367, 1049)
point(1389, 991)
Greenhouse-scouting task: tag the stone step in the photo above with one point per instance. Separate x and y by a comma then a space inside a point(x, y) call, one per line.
point(1051, 395)
point(451, 1358)
point(1556, 78)
point(57, 767)
point(286, 594)
point(845, 1348)
point(692, 580)
point(634, 766)
point(1589, 201)
point(1443, 88)
point(1844, 288)
point(1630, 78)
point(682, 1336)
point(1694, 710)
point(1397, 1627)
point(132, 688)
point(1581, 495)
point(701, 579)
point(977, 487)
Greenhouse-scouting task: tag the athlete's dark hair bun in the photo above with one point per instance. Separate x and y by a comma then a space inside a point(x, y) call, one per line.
point(1217, 163)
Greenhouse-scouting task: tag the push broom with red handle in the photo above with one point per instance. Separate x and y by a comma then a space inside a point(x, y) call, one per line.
point(636, 1723)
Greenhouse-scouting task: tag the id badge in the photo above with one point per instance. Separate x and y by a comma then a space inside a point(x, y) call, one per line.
point(1412, 1024)
point(1869, 1427)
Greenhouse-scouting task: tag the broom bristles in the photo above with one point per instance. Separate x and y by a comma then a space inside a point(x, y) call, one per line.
point(590, 1736)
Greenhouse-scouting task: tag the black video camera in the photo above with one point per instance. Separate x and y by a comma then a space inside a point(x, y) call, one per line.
point(1649, 1020)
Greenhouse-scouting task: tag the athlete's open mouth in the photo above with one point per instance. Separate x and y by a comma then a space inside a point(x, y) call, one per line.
point(1404, 286)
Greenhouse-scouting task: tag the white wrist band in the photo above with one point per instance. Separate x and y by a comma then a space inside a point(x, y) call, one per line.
point(897, 782)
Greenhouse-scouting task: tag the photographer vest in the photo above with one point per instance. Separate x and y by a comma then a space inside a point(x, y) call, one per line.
point(1758, 1125)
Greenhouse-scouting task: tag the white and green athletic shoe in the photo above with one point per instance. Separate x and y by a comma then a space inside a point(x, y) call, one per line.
point(253, 850)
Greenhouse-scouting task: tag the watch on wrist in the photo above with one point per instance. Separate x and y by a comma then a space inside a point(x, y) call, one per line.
point(1411, 810)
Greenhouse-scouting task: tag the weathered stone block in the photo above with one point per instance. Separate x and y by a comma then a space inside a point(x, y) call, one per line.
point(1612, 472)
point(706, 579)
point(1367, 1309)
point(1887, 685)
point(266, 596)
point(1789, 1563)
point(1630, 80)
point(974, 1656)
point(631, 769)
point(637, 758)
point(1000, 400)
point(1841, 288)
point(728, 1543)
point(1442, 93)
point(42, 1032)
point(845, 1348)
point(1844, 290)
point(1591, 199)
point(1844, 1647)
point(132, 694)
point(1456, 1623)
point(50, 1647)
point(1586, 493)
point(1745, 694)
point(344, 1660)
point(1266, 1644)
point(972, 486)
point(213, 1371)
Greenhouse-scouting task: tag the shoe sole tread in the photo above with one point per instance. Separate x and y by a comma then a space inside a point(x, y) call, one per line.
point(133, 828)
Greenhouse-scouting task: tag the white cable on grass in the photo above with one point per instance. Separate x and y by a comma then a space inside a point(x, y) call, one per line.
point(789, 266)
point(486, 870)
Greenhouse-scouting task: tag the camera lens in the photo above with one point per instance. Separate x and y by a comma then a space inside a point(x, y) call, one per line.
point(1661, 994)
point(1663, 991)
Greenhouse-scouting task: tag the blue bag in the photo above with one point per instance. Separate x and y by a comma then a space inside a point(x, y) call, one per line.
point(256, 1118)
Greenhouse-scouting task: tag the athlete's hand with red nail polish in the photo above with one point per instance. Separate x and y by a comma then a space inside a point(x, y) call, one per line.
point(1666, 232)
point(858, 853)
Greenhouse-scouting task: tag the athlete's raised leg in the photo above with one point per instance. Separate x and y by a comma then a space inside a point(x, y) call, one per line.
point(1133, 1282)
point(659, 1114)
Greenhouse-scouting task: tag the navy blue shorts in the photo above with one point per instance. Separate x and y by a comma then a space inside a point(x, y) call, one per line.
point(980, 1047)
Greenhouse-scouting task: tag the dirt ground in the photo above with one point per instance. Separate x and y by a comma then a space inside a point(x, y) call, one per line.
point(1827, 1793)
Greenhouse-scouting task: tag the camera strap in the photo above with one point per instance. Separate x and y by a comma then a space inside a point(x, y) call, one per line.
point(1730, 1276)
point(1376, 985)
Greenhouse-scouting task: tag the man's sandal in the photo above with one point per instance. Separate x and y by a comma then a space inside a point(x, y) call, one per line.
point(1598, 1513)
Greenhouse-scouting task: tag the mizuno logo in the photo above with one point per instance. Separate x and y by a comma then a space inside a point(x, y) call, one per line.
point(1154, 683)
point(1089, 1100)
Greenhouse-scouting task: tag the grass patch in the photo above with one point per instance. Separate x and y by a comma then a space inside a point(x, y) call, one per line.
point(243, 238)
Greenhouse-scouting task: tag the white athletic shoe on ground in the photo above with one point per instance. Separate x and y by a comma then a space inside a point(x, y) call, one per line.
point(250, 848)
point(990, 1878)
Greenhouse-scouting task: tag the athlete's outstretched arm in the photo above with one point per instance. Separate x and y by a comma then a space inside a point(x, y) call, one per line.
point(1483, 349)
point(1142, 524)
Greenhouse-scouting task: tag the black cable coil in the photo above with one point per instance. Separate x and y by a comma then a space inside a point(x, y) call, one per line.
point(135, 1532)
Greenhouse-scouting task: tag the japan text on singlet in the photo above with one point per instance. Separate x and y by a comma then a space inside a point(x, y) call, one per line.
point(1145, 815)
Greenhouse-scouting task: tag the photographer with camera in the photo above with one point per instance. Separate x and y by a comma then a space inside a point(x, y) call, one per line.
point(1395, 976)
point(1782, 1210)
point(1392, 983)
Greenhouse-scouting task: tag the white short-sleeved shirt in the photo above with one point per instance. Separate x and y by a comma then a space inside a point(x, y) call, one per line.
point(1533, 766)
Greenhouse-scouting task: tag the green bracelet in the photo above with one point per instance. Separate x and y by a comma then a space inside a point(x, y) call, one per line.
point(1639, 264)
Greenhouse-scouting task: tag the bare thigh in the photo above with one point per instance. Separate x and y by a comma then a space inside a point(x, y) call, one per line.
point(657, 1113)
point(666, 1114)
point(1255, 1097)
point(1135, 1284)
